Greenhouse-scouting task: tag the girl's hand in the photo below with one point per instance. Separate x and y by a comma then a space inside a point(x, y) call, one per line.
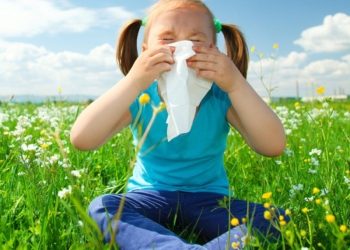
point(216, 66)
point(150, 64)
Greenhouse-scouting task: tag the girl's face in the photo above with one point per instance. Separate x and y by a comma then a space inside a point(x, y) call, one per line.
point(180, 24)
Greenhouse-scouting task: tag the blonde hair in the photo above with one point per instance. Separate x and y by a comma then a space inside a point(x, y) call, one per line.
point(236, 47)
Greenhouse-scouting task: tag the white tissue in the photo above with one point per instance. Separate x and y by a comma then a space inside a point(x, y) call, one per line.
point(182, 90)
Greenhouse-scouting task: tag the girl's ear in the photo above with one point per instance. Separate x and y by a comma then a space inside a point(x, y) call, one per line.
point(144, 47)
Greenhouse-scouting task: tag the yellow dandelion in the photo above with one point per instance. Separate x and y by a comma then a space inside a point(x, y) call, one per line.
point(267, 215)
point(235, 245)
point(98, 166)
point(244, 220)
point(253, 49)
point(59, 90)
point(318, 201)
point(275, 46)
point(288, 233)
point(44, 145)
point(330, 218)
point(343, 228)
point(144, 98)
point(266, 205)
point(303, 233)
point(281, 217)
point(283, 223)
point(261, 55)
point(234, 222)
point(305, 210)
point(316, 190)
point(267, 195)
point(320, 90)
point(297, 104)
point(288, 212)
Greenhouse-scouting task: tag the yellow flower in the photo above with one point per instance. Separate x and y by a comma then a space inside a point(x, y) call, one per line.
point(318, 201)
point(261, 55)
point(347, 171)
point(253, 49)
point(266, 205)
point(283, 223)
point(330, 218)
point(281, 218)
point(267, 215)
point(42, 132)
point(343, 228)
point(288, 233)
point(267, 195)
point(98, 166)
point(297, 104)
point(44, 145)
point(235, 245)
point(59, 90)
point(320, 90)
point(234, 222)
point(288, 212)
point(144, 98)
point(303, 233)
point(316, 190)
point(305, 210)
point(244, 220)
point(275, 46)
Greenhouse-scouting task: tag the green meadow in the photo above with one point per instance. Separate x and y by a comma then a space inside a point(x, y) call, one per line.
point(46, 185)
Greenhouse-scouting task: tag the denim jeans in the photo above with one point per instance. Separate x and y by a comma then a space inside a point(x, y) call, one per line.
point(148, 214)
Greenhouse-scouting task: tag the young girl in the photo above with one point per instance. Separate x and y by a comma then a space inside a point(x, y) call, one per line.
point(183, 178)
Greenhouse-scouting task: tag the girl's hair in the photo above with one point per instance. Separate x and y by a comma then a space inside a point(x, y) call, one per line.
point(127, 54)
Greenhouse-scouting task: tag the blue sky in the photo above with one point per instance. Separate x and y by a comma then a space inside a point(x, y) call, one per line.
point(70, 44)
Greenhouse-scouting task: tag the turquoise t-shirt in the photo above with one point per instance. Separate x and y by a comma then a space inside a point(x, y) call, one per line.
point(191, 162)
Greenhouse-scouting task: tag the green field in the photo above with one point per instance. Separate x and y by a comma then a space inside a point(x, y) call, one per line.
point(46, 184)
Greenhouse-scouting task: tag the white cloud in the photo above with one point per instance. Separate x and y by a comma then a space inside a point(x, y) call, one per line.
point(28, 69)
point(332, 74)
point(32, 17)
point(332, 36)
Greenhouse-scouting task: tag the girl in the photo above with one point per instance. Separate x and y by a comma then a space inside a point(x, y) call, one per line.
point(185, 177)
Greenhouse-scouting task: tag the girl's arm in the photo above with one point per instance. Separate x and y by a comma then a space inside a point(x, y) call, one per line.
point(110, 113)
point(249, 114)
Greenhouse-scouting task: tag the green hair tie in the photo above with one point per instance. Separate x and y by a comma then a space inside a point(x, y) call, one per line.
point(217, 24)
point(144, 21)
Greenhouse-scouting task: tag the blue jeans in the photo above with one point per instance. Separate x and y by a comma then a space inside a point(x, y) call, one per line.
point(147, 214)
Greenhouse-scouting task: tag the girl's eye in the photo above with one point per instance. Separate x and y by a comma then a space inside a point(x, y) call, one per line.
point(167, 38)
point(195, 40)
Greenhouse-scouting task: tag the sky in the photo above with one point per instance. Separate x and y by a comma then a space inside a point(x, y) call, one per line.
point(70, 44)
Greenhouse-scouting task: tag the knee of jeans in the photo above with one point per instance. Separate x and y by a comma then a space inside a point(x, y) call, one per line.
point(101, 204)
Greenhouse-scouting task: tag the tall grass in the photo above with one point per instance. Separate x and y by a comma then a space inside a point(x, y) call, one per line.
point(46, 184)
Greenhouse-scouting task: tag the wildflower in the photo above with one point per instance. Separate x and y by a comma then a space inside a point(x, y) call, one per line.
point(305, 210)
point(316, 190)
point(325, 105)
point(267, 195)
point(59, 90)
point(278, 162)
point(324, 192)
point(261, 55)
point(266, 205)
point(310, 198)
point(303, 233)
point(318, 201)
point(330, 218)
point(314, 162)
point(253, 49)
point(288, 212)
point(275, 46)
point(288, 233)
point(267, 215)
point(320, 90)
point(347, 181)
point(343, 228)
point(288, 152)
point(235, 245)
point(315, 151)
point(234, 222)
point(244, 220)
point(65, 192)
point(144, 98)
point(304, 248)
point(76, 173)
point(312, 171)
point(80, 223)
point(98, 166)
point(283, 223)
point(281, 217)
point(297, 105)
point(44, 145)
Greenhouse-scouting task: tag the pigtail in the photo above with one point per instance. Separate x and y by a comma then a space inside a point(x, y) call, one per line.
point(236, 47)
point(127, 45)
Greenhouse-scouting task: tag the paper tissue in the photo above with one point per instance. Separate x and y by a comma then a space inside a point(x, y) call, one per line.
point(182, 90)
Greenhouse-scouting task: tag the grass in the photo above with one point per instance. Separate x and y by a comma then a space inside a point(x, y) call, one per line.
point(311, 179)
